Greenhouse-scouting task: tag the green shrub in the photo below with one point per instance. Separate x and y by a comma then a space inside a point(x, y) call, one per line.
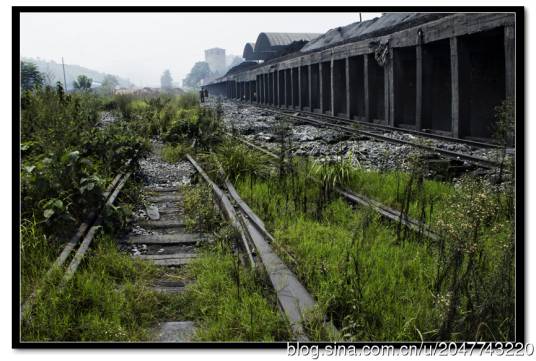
point(174, 153)
point(238, 161)
point(188, 100)
point(200, 210)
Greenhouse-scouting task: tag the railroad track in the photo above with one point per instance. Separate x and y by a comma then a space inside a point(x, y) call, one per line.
point(390, 128)
point(378, 133)
point(165, 242)
point(385, 211)
point(293, 298)
point(82, 238)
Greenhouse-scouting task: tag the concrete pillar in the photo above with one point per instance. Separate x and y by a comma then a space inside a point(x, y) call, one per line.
point(299, 88)
point(510, 60)
point(279, 90)
point(320, 88)
point(310, 90)
point(418, 87)
point(275, 88)
point(255, 93)
point(390, 89)
point(367, 86)
point(264, 88)
point(292, 100)
point(285, 80)
point(455, 86)
point(332, 86)
point(259, 89)
point(273, 85)
point(262, 93)
point(269, 88)
point(347, 80)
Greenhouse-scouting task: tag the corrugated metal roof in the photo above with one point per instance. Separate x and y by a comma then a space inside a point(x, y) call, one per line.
point(248, 51)
point(387, 23)
point(267, 41)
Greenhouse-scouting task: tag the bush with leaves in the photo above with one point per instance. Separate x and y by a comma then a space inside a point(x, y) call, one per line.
point(238, 161)
point(475, 277)
point(66, 160)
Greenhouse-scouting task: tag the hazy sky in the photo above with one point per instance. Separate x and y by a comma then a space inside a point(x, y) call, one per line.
point(139, 46)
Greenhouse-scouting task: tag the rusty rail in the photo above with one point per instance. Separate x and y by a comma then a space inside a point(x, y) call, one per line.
point(226, 207)
point(87, 230)
point(353, 197)
point(477, 161)
point(293, 298)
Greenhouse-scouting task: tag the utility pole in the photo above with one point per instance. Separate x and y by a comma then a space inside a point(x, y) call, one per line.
point(64, 78)
point(360, 19)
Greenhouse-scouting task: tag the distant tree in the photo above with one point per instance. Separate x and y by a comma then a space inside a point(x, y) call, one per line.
point(108, 84)
point(30, 77)
point(166, 81)
point(200, 71)
point(82, 83)
point(49, 77)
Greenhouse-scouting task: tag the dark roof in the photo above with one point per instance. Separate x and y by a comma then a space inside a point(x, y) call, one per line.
point(387, 23)
point(248, 51)
point(241, 67)
point(269, 41)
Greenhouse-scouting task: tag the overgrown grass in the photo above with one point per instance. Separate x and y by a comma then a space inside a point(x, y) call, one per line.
point(370, 287)
point(232, 303)
point(37, 254)
point(377, 285)
point(174, 153)
point(201, 213)
point(109, 299)
point(228, 301)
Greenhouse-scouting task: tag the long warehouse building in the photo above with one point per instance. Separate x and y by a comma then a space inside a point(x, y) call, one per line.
point(436, 72)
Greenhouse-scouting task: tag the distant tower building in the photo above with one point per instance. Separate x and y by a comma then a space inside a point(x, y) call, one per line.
point(215, 58)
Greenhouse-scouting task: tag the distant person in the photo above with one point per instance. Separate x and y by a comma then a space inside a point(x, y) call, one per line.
point(206, 93)
point(202, 96)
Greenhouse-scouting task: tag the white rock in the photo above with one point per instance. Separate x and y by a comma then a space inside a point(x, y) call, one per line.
point(152, 212)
